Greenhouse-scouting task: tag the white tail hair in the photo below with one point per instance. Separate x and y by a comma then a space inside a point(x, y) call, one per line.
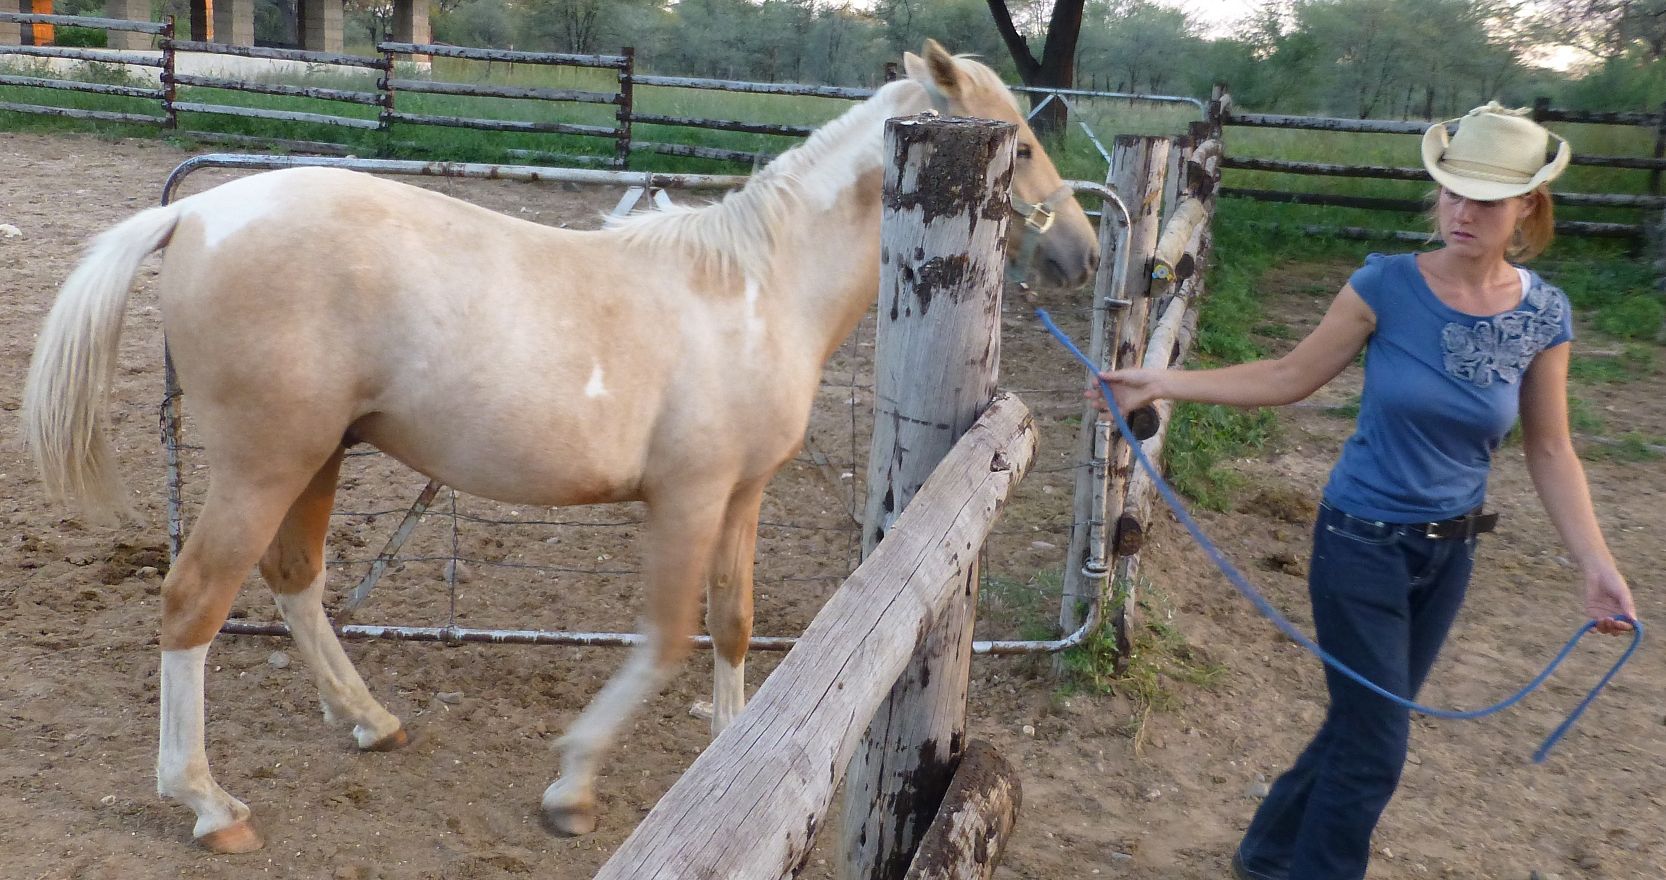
point(66, 400)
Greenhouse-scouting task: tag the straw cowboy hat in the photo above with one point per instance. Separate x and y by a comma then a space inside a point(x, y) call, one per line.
point(1498, 153)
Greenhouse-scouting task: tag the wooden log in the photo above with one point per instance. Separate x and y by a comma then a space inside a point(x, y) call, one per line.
point(742, 156)
point(71, 113)
point(1563, 227)
point(307, 55)
point(565, 59)
point(972, 827)
point(937, 358)
point(1324, 123)
point(280, 115)
point(1162, 352)
point(369, 99)
point(1620, 162)
point(502, 124)
point(1597, 117)
point(1180, 232)
point(724, 125)
point(1140, 179)
point(1409, 206)
point(109, 24)
point(750, 805)
point(74, 85)
point(1379, 172)
point(99, 56)
point(724, 85)
point(482, 90)
point(1087, 566)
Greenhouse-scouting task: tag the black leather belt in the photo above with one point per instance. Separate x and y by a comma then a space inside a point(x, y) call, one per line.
point(1458, 528)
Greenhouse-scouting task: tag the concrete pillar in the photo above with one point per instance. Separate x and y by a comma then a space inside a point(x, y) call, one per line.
point(410, 22)
point(131, 10)
point(320, 25)
point(11, 33)
point(234, 22)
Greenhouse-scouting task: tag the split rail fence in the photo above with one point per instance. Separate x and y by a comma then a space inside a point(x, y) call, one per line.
point(1650, 204)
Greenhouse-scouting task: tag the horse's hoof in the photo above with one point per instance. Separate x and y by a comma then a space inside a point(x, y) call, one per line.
point(570, 821)
point(232, 839)
point(393, 742)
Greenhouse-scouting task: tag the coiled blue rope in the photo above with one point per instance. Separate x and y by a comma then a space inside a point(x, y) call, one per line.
point(1261, 604)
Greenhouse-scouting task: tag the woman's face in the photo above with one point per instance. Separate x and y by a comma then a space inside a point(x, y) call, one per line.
point(1476, 227)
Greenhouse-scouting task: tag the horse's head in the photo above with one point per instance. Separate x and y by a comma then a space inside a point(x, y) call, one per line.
point(1041, 198)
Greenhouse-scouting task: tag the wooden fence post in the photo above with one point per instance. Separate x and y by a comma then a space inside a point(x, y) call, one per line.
point(943, 237)
point(626, 111)
point(1138, 164)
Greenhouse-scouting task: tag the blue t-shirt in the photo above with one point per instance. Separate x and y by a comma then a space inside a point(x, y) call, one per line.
point(1441, 390)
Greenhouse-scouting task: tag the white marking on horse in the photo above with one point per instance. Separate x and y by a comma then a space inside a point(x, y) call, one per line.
point(227, 209)
point(594, 388)
point(755, 325)
point(181, 761)
point(728, 692)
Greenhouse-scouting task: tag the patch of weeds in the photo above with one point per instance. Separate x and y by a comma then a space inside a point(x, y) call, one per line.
point(1273, 330)
point(1636, 317)
point(1583, 417)
point(1202, 438)
point(1160, 657)
point(1635, 361)
point(1347, 409)
point(1631, 446)
point(1023, 607)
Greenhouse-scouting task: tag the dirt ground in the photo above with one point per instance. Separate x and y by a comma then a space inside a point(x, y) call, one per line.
point(1108, 790)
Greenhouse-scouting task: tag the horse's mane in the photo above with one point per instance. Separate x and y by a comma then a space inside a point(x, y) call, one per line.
point(739, 231)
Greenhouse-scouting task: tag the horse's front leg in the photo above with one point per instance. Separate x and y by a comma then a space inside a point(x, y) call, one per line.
point(196, 595)
point(680, 534)
point(729, 604)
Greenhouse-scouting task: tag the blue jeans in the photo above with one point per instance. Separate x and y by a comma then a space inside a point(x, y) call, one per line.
point(1384, 597)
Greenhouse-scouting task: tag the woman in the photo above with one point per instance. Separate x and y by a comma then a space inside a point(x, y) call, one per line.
point(1458, 341)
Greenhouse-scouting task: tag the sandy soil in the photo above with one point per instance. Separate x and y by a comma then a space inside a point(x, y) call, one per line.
point(1109, 790)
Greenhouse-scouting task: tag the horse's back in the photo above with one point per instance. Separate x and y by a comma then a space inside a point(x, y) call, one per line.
point(510, 359)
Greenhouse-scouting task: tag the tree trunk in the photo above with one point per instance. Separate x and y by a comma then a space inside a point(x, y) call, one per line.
point(1057, 67)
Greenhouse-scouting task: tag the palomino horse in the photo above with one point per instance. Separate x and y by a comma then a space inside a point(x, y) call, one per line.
point(671, 358)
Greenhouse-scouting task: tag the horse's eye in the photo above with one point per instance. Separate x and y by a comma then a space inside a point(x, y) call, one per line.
point(1024, 151)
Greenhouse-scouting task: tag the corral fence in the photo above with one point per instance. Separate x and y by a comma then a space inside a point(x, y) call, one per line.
point(1644, 209)
point(382, 105)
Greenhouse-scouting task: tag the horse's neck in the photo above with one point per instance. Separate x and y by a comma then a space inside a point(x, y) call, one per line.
point(829, 262)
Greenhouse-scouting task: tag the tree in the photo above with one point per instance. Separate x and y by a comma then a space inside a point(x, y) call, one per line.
point(1056, 68)
point(1611, 28)
point(1142, 46)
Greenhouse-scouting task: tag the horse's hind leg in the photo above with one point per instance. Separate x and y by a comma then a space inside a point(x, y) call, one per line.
point(679, 538)
point(729, 604)
point(294, 568)
point(238, 518)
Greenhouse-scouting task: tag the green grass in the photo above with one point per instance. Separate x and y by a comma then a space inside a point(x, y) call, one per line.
point(1028, 608)
point(1160, 657)
point(1632, 446)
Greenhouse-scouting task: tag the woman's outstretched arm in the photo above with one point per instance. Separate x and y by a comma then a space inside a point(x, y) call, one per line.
point(1314, 361)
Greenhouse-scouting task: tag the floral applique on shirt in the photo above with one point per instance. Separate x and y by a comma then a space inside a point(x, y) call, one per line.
point(1506, 344)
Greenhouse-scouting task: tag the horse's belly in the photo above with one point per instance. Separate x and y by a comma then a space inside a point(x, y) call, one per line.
point(528, 463)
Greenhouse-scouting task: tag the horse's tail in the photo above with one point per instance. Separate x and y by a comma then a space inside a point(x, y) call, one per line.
point(66, 399)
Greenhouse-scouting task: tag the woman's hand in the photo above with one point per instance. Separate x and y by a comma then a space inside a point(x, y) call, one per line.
point(1133, 388)
point(1608, 597)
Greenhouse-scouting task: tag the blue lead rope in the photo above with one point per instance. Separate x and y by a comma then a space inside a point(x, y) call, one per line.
point(1261, 604)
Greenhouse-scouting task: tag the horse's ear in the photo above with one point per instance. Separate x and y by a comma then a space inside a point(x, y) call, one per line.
point(937, 71)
